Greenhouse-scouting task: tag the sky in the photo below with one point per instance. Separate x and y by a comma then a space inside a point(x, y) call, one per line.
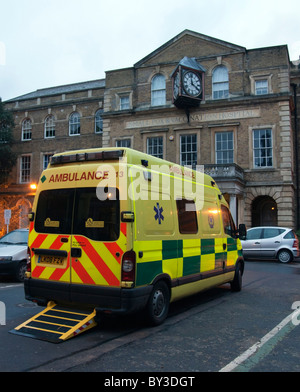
point(47, 43)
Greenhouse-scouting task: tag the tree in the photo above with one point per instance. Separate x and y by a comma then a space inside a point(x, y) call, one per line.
point(7, 156)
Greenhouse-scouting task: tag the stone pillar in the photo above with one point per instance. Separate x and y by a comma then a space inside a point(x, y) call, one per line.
point(232, 206)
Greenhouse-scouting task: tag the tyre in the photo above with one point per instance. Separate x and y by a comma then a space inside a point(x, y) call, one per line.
point(236, 284)
point(158, 304)
point(284, 256)
point(20, 271)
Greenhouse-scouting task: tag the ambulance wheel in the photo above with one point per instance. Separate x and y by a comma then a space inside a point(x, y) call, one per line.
point(236, 284)
point(158, 304)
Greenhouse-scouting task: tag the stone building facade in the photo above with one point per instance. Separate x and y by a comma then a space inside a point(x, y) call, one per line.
point(242, 131)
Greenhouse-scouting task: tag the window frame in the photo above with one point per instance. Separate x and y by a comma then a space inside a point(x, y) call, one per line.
point(123, 142)
point(99, 122)
point(261, 90)
point(193, 151)
point(49, 127)
point(74, 122)
point(158, 92)
point(152, 149)
point(26, 129)
point(220, 80)
point(124, 102)
point(25, 178)
point(46, 159)
point(222, 151)
point(261, 149)
point(260, 77)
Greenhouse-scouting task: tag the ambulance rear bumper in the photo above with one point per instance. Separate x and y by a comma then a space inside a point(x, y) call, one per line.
point(103, 299)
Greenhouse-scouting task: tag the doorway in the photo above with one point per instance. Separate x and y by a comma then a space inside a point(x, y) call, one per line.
point(264, 211)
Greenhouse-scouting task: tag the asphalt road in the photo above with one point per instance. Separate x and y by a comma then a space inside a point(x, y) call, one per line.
point(211, 332)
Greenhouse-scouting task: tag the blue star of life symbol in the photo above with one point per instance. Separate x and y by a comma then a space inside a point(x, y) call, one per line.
point(159, 216)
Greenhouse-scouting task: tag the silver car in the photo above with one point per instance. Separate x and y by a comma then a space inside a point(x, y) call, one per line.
point(13, 254)
point(271, 242)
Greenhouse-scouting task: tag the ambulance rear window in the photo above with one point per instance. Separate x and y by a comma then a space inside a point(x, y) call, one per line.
point(79, 212)
point(54, 211)
point(97, 219)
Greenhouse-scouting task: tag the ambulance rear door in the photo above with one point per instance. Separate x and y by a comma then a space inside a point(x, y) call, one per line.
point(77, 237)
point(50, 235)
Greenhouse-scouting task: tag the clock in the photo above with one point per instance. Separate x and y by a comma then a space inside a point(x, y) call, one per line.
point(192, 83)
point(188, 83)
point(176, 85)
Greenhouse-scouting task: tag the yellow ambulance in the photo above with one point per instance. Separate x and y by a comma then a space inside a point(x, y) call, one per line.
point(115, 230)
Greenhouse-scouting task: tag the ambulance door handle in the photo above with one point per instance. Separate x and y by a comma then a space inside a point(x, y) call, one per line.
point(76, 252)
point(224, 246)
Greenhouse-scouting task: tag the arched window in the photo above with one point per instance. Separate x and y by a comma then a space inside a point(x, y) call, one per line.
point(74, 124)
point(220, 82)
point(99, 121)
point(49, 127)
point(26, 129)
point(158, 90)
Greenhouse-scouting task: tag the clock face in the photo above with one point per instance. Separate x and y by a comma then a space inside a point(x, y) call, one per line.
point(192, 83)
point(176, 85)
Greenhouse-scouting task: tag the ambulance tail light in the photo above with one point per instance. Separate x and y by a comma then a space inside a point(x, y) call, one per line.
point(28, 264)
point(128, 266)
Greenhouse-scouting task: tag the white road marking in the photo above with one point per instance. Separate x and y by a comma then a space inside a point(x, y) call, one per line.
point(255, 349)
point(10, 286)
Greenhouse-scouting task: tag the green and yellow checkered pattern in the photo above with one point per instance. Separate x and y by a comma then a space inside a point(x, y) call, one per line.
point(181, 258)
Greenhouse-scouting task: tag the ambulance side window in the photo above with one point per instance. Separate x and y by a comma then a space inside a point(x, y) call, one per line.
point(54, 211)
point(187, 216)
point(229, 226)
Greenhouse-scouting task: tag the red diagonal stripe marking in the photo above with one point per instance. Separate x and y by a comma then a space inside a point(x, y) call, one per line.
point(58, 273)
point(36, 244)
point(81, 272)
point(37, 272)
point(124, 228)
point(38, 241)
point(57, 244)
point(98, 262)
point(114, 248)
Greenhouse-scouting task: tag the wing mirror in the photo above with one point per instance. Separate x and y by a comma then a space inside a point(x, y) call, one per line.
point(242, 232)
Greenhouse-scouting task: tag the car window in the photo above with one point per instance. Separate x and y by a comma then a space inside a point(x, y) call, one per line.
point(15, 237)
point(271, 232)
point(290, 235)
point(254, 234)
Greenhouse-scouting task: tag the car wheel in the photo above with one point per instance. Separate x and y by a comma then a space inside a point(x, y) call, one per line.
point(236, 284)
point(284, 256)
point(20, 272)
point(158, 304)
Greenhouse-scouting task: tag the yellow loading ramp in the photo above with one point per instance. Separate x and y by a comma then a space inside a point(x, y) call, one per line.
point(56, 324)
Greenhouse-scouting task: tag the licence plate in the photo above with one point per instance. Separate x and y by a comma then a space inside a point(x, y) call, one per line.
point(54, 260)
